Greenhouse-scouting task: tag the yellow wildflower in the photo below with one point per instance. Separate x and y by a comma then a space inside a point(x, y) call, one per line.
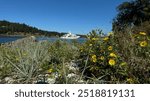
point(143, 44)
point(142, 33)
point(106, 38)
point(130, 80)
point(102, 58)
point(112, 62)
point(93, 39)
point(110, 48)
point(94, 58)
point(112, 55)
point(50, 70)
point(90, 44)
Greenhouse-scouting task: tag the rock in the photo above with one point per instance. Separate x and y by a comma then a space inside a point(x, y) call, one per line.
point(45, 79)
point(8, 80)
point(81, 82)
point(72, 66)
point(73, 78)
point(34, 82)
point(72, 75)
point(51, 80)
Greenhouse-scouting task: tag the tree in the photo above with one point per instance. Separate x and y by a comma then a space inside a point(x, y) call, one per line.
point(132, 13)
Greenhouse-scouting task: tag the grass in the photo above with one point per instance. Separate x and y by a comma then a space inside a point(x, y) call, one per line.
point(27, 61)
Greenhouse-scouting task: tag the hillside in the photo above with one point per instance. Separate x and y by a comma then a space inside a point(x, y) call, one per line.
point(11, 28)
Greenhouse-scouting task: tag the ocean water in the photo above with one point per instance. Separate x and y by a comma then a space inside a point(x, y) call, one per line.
point(9, 39)
point(13, 38)
point(80, 40)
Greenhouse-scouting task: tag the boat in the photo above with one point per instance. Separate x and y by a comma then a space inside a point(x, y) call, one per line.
point(70, 36)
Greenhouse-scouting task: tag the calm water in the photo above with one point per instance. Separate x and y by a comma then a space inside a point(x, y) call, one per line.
point(9, 39)
point(80, 40)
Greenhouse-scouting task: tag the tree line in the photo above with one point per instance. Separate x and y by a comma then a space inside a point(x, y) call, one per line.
point(134, 14)
point(10, 28)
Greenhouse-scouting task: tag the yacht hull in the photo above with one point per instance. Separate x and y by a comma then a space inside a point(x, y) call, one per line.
point(70, 37)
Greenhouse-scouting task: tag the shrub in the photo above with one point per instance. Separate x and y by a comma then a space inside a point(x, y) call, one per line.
point(134, 48)
point(116, 58)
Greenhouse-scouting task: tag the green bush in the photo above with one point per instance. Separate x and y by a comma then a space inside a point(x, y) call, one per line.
point(116, 58)
point(134, 48)
point(61, 50)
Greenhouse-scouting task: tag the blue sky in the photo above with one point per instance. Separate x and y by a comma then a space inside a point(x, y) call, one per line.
point(77, 16)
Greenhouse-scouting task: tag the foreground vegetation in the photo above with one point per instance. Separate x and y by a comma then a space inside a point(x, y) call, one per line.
point(101, 59)
point(117, 58)
point(27, 62)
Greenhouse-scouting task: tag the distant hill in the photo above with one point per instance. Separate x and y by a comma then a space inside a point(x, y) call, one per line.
point(11, 28)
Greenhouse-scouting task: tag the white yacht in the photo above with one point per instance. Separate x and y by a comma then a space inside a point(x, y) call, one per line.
point(70, 36)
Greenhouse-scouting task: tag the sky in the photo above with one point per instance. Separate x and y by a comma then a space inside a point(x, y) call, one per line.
point(76, 16)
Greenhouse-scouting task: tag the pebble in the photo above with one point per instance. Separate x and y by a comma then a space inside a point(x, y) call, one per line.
point(51, 80)
point(9, 80)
